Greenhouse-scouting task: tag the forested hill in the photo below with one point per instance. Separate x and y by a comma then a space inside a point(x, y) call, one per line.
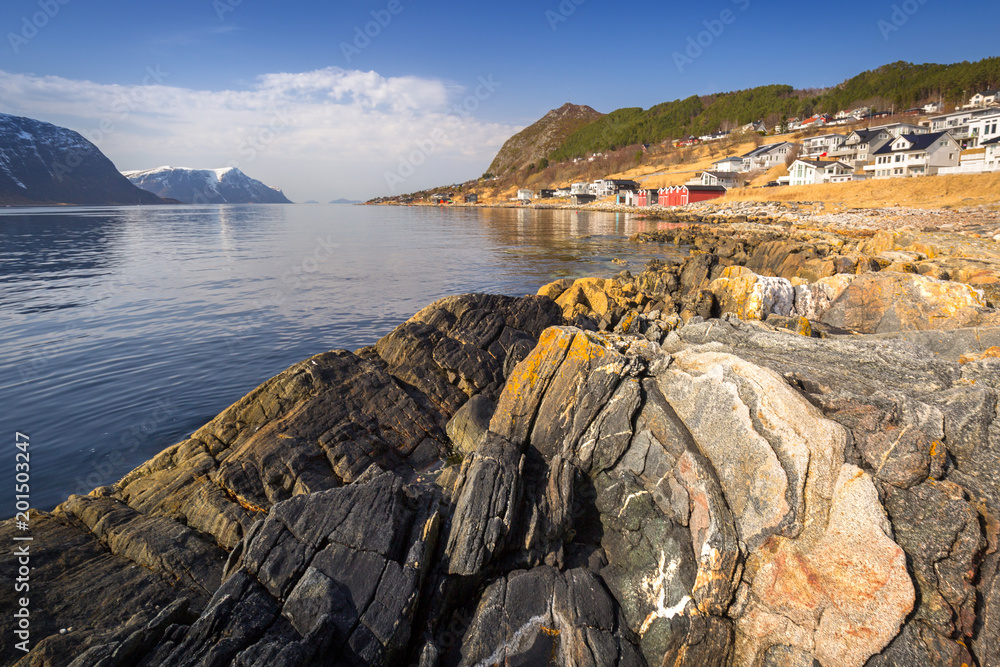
point(900, 85)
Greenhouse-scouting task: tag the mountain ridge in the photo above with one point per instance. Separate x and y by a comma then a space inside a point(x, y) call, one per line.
point(535, 142)
point(227, 185)
point(895, 85)
point(42, 163)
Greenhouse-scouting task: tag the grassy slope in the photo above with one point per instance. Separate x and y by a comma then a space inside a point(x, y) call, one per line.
point(953, 190)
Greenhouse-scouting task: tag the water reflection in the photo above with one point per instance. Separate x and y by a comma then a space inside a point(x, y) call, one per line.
point(54, 248)
point(192, 307)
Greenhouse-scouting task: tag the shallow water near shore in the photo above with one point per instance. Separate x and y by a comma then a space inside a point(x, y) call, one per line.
point(125, 329)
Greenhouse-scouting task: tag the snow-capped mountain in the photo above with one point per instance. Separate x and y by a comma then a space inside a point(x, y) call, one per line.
point(206, 186)
point(41, 163)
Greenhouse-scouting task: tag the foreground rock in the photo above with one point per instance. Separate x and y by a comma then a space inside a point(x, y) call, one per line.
point(488, 485)
point(163, 532)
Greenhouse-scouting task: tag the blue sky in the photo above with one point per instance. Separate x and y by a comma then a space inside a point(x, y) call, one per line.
point(269, 87)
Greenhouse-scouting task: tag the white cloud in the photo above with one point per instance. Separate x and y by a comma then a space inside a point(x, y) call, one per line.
point(321, 134)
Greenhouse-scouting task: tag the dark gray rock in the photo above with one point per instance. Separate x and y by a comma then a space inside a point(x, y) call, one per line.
point(469, 425)
point(338, 571)
point(488, 501)
point(940, 530)
point(544, 616)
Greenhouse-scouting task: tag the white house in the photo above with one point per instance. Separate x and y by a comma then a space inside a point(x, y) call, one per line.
point(811, 172)
point(824, 143)
point(958, 123)
point(899, 129)
point(859, 145)
point(768, 156)
point(727, 179)
point(985, 98)
point(932, 107)
point(716, 136)
point(580, 189)
point(992, 160)
point(733, 163)
point(525, 195)
point(915, 155)
point(983, 128)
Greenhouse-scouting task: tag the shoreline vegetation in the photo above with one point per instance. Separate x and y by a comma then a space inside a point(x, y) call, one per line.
point(783, 448)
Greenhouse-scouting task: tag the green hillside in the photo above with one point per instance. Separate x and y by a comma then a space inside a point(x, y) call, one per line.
point(900, 85)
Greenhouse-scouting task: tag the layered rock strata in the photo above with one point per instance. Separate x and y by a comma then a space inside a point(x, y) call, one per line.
point(697, 465)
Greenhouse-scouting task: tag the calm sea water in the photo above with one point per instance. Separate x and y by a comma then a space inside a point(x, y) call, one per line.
point(125, 329)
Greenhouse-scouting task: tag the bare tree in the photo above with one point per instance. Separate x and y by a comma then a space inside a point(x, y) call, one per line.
point(793, 154)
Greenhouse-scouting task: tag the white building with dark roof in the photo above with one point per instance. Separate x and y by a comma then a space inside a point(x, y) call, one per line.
point(985, 98)
point(727, 179)
point(915, 155)
point(732, 163)
point(767, 156)
point(813, 172)
point(859, 145)
point(823, 143)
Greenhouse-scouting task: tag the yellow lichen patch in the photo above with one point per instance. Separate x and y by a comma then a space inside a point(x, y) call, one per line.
point(993, 352)
point(627, 322)
point(584, 349)
point(525, 375)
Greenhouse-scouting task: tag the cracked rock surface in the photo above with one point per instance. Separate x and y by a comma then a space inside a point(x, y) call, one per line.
point(489, 485)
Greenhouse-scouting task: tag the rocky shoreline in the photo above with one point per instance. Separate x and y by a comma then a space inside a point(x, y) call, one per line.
point(977, 221)
point(782, 451)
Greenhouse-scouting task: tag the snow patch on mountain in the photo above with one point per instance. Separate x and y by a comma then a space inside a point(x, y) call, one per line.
point(227, 185)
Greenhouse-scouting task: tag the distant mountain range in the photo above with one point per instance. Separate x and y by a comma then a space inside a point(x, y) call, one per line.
point(206, 186)
point(345, 201)
point(41, 163)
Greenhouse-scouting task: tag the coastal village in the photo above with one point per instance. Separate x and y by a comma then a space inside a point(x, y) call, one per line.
point(756, 427)
point(850, 146)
